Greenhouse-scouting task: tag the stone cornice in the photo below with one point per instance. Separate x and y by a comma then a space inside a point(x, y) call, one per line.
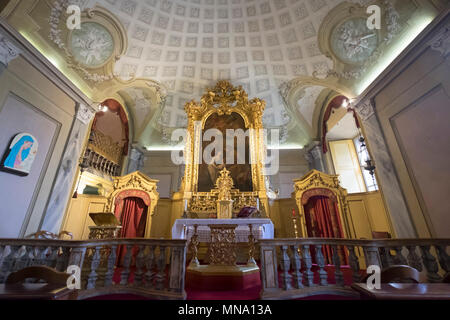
point(8, 51)
point(441, 42)
point(39, 61)
point(421, 43)
point(365, 109)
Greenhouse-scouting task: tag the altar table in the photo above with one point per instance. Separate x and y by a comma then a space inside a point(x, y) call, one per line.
point(184, 228)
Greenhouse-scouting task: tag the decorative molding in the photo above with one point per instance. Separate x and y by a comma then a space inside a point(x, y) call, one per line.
point(84, 114)
point(8, 51)
point(441, 42)
point(365, 109)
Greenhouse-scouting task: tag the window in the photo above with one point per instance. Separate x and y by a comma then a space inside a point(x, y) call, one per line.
point(347, 165)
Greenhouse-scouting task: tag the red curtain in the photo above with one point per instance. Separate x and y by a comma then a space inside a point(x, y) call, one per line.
point(133, 219)
point(322, 221)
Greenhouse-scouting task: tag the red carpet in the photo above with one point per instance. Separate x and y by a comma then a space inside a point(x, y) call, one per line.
point(247, 294)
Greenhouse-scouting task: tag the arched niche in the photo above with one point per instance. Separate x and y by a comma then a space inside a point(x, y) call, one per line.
point(136, 185)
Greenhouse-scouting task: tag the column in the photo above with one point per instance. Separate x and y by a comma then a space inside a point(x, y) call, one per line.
point(8, 52)
point(385, 171)
point(67, 172)
point(315, 157)
point(135, 160)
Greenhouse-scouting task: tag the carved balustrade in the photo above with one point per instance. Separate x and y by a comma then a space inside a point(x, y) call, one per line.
point(103, 154)
point(159, 264)
point(292, 259)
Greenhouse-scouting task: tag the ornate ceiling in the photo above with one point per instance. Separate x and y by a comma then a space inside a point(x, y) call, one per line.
point(278, 50)
point(189, 45)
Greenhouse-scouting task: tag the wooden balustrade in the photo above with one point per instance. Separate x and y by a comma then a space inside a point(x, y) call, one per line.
point(148, 259)
point(289, 269)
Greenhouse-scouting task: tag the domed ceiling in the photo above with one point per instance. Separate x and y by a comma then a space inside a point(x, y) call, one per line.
point(188, 45)
point(281, 51)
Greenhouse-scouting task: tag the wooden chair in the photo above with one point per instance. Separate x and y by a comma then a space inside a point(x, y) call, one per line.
point(51, 236)
point(45, 273)
point(398, 274)
point(381, 235)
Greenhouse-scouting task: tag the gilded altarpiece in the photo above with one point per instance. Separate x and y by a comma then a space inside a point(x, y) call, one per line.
point(227, 107)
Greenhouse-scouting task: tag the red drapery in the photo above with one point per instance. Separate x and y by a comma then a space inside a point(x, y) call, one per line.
point(322, 221)
point(133, 219)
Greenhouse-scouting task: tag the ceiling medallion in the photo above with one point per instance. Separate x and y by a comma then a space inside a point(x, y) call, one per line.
point(91, 47)
point(353, 47)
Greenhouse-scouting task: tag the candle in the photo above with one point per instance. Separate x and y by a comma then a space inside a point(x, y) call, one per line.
point(257, 203)
point(185, 204)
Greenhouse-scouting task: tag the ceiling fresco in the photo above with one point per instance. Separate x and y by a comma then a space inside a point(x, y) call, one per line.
point(272, 48)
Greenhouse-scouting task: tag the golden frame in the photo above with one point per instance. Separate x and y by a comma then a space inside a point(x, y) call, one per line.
point(224, 98)
point(319, 180)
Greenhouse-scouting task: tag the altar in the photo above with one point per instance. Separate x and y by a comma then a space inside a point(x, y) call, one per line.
point(261, 228)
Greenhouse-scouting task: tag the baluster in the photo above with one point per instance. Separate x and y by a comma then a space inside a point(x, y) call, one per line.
point(110, 266)
point(3, 251)
point(399, 258)
point(51, 258)
point(307, 262)
point(8, 262)
point(161, 265)
point(285, 264)
point(149, 262)
point(354, 264)
point(25, 258)
point(444, 259)
point(296, 265)
point(93, 275)
point(413, 258)
point(62, 259)
point(39, 256)
point(321, 264)
point(372, 256)
point(126, 265)
point(338, 276)
point(139, 265)
point(430, 263)
point(17, 259)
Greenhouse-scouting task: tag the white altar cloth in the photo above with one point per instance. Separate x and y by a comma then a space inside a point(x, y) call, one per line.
point(184, 228)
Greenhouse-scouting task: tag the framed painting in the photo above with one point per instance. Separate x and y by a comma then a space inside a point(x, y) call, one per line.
point(20, 155)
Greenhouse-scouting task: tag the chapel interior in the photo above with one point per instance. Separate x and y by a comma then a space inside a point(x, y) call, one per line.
point(221, 149)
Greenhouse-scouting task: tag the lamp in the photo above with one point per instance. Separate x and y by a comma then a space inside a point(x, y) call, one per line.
point(369, 164)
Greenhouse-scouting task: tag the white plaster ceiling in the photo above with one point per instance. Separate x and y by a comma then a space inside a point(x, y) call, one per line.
point(190, 44)
point(344, 128)
point(307, 102)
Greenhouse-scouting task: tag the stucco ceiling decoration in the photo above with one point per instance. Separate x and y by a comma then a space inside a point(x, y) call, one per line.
point(188, 45)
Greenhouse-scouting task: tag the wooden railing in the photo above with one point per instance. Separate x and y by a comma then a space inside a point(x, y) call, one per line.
point(287, 269)
point(158, 266)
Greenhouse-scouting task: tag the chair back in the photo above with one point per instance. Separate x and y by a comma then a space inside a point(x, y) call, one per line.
point(398, 274)
point(381, 235)
point(45, 273)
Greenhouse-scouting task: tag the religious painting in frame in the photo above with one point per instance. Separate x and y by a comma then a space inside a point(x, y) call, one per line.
point(241, 173)
point(20, 155)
